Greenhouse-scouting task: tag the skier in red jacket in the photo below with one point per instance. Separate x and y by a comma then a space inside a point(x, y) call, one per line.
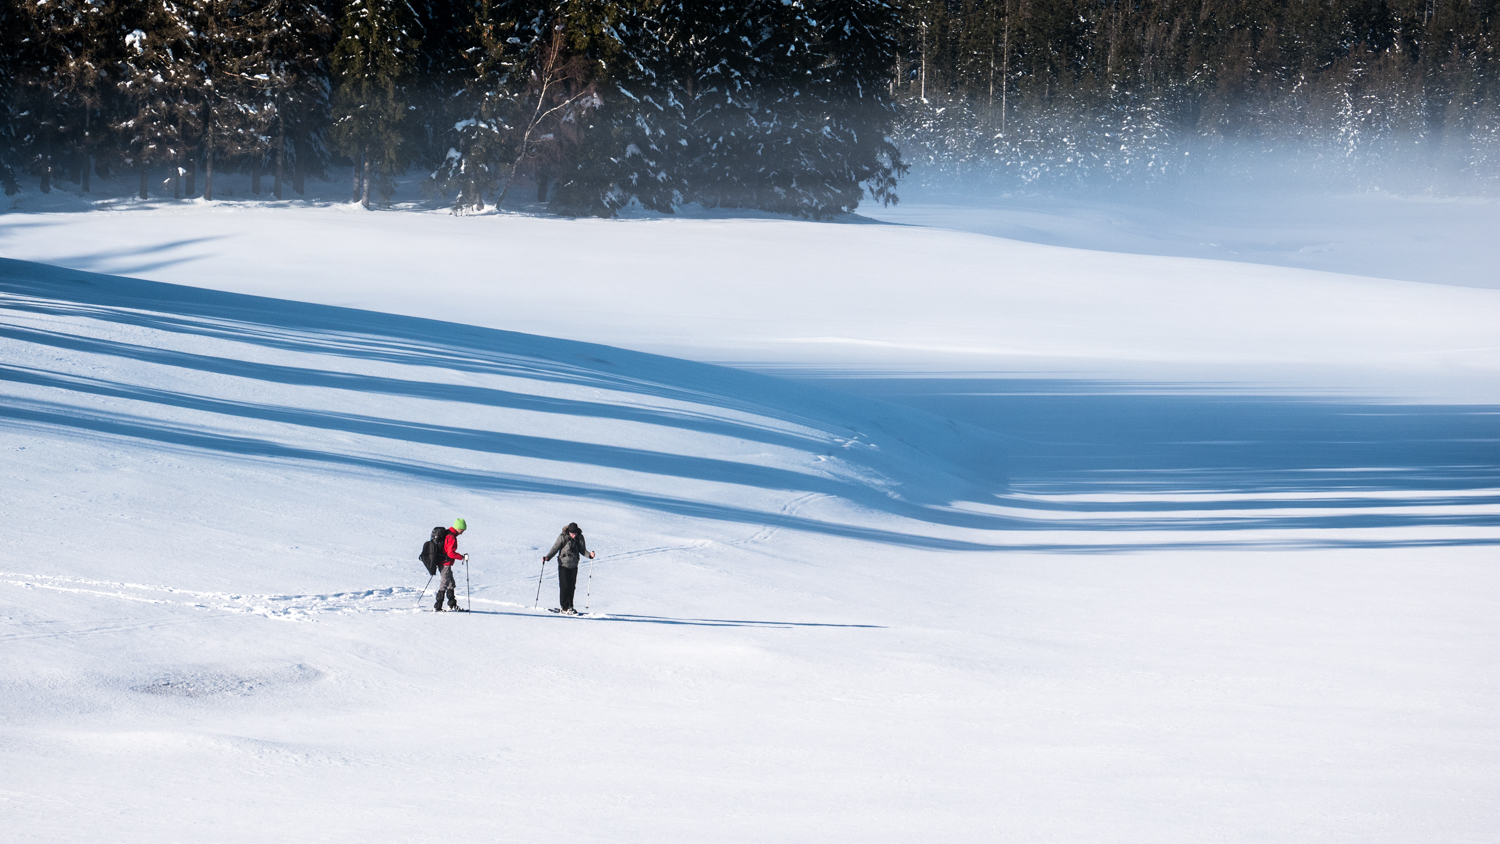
point(447, 586)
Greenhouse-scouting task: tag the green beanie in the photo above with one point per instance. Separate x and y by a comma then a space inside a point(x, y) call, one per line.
point(460, 524)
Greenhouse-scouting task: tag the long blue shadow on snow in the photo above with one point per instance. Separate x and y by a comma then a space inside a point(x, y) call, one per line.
point(1201, 516)
point(379, 337)
point(355, 382)
point(468, 439)
point(1056, 447)
point(1071, 436)
point(63, 416)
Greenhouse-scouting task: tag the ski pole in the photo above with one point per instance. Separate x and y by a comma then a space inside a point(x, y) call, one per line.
point(588, 590)
point(469, 588)
point(424, 588)
point(538, 601)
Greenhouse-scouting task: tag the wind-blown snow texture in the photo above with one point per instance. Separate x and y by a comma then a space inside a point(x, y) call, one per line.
point(1113, 548)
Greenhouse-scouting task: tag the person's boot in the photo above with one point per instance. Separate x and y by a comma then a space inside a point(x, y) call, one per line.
point(438, 607)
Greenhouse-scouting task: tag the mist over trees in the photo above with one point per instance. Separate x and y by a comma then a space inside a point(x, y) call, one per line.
point(795, 106)
point(1038, 91)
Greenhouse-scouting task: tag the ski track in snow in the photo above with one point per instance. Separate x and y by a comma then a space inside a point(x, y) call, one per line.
point(787, 510)
point(289, 607)
point(389, 599)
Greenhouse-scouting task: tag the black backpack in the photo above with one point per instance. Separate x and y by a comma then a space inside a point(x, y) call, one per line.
point(432, 554)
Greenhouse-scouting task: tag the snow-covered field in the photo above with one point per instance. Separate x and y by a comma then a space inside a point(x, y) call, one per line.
point(1086, 532)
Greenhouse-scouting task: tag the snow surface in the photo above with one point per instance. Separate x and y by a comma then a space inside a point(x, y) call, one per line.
point(1031, 542)
point(849, 295)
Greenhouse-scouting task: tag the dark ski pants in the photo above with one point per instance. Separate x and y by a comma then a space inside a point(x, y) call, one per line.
point(567, 582)
point(446, 586)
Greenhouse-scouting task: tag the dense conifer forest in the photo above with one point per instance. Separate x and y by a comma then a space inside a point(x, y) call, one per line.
point(1072, 90)
point(795, 106)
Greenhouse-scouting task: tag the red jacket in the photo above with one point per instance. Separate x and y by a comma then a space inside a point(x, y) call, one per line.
point(450, 547)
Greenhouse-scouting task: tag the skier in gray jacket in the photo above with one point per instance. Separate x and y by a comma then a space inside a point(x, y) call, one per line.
point(568, 548)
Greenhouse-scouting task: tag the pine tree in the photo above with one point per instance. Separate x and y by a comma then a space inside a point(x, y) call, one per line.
point(161, 82)
point(563, 62)
point(739, 106)
point(729, 76)
point(637, 149)
point(298, 36)
point(486, 139)
point(64, 49)
point(857, 40)
point(441, 69)
point(10, 36)
point(245, 92)
point(532, 99)
point(229, 44)
point(373, 51)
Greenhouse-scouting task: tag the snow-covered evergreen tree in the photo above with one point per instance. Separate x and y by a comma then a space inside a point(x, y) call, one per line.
point(227, 54)
point(372, 54)
point(743, 69)
point(297, 37)
point(640, 146)
point(10, 38)
point(858, 41)
point(440, 70)
point(162, 82)
point(64, 48)
point(739, 105)
point(485, 142)
point(531, 100)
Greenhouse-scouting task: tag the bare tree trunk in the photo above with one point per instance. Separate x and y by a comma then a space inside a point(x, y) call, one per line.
point(299, 169)
point(177, 168)
point(1005, 70)
point(88, 160)
point(208, 153)
point(549, 75)
point(359, 163)
point(255, 176)
point(364, 198)
point(922, 73)
point(143, 180)
point(44, 142)
point(192, 176)
point(280, 152)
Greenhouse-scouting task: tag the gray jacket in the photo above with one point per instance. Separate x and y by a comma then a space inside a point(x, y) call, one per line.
point(568, 550)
